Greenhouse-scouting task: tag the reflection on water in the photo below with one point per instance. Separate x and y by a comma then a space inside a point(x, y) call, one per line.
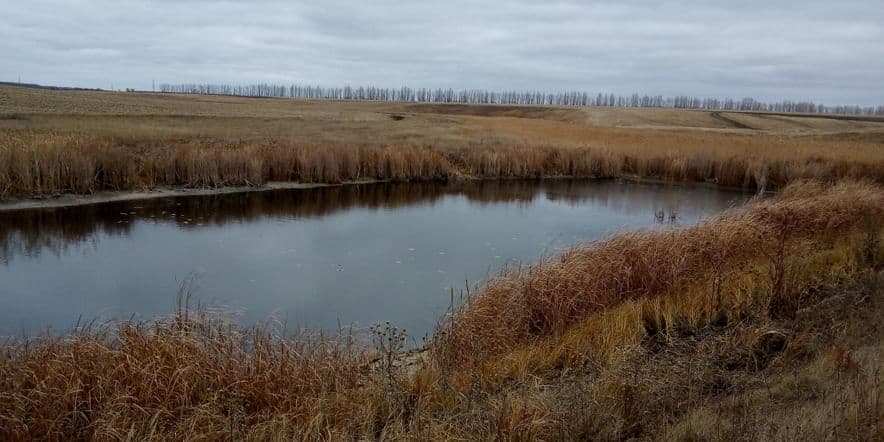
point(313, 257)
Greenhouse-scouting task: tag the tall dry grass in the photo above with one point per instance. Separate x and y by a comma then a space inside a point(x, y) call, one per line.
point(41, 163)
point(179, 378)
point(639, 335)
point(546, 298)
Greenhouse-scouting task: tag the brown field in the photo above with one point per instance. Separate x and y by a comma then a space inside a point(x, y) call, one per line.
point(54, 142)
point(761, 324)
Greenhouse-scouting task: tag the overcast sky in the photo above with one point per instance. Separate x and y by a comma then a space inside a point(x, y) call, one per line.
point(829, 51)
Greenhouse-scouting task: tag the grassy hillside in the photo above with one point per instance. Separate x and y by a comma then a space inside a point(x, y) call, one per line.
point(55, 142)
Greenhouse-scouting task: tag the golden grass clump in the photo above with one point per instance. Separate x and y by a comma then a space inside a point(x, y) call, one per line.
point(548, 297)
point(175, 377)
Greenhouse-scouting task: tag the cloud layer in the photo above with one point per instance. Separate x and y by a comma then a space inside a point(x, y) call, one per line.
point(818, 50)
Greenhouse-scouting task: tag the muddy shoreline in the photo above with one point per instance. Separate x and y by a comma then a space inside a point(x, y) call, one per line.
point(71, 200)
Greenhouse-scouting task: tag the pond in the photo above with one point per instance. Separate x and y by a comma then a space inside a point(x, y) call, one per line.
point(319, 258)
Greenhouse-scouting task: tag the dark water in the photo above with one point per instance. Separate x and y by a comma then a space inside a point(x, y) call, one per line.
point(315, 258)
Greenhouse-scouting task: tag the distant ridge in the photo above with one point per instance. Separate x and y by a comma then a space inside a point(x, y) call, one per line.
point(52, 88)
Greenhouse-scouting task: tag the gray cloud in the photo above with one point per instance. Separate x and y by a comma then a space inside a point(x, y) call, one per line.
point(821, 50)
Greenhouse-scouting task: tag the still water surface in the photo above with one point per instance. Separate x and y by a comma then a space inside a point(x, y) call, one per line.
point(315, 258)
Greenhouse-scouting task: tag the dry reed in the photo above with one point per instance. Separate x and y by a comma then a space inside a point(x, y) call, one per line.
point(548, 297)
point(40, 164)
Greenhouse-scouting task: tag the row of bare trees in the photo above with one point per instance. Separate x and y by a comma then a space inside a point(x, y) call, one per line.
point(481, 96)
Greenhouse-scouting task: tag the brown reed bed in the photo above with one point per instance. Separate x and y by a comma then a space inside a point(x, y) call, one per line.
point(35, 164)
point(763, 321)
point(39, 164)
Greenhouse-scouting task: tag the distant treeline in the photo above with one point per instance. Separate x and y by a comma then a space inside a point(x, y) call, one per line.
point(480, 96)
